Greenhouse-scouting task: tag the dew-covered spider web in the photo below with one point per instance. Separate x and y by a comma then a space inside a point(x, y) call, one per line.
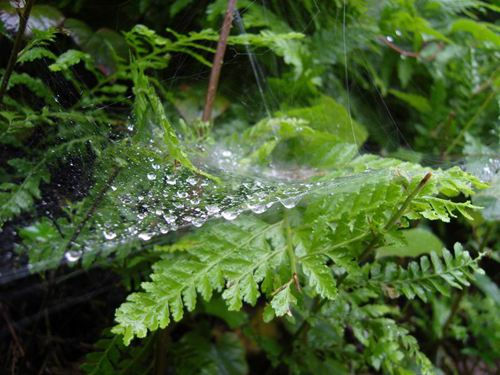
point(123, 196)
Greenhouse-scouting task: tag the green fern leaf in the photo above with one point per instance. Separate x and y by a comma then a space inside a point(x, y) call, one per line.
point(35, 54)
point(421, 280)
point(112, 357)
point(320, 277)
point(236, 254)
point(283, 300)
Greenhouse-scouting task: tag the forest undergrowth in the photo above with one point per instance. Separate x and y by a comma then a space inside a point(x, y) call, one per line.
point(316, 192)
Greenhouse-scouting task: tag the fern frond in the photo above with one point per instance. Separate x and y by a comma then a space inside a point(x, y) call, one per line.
point(433, 208)
point(17, 198)
point(231, 256)
point(428, 276)
point(35, 53)
point(112, 357)
point(35, 85)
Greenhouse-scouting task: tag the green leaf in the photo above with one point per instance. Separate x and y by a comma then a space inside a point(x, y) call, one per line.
point(35, 54)
point(283, 301)
point(78, 30)
point(68, 59)
point(112, 357)
point(421, 280)
point(329, 116)
point(416, 242)
point(42, 17)
point(195, 353)
point(320, 277)
point(238, 252)
point(418, 102)
point(479, 30)
point(108, 49)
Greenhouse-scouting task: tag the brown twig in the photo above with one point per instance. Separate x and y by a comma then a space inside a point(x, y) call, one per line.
point(23, 21)
point(12, 331)
point(218, 61)
point(406, 53)
point(398, 49)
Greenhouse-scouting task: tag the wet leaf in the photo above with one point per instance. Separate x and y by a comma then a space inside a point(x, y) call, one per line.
point(42, 17)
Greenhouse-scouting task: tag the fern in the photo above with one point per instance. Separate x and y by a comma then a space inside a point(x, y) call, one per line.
point(112, 357)
point(421, 280)
point(226, 255)
point(17, 198)
point(35, 53)
point(236, 257)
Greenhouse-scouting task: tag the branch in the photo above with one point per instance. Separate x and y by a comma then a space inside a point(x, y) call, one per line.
point(23, 21)
point(218, 61)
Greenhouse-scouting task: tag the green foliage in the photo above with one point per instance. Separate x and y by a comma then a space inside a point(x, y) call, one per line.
point(269, 232)
point(112, 357)
point(196, 354)
point(422, 280)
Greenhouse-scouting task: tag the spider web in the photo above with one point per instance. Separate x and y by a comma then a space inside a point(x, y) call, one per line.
point(151, 201)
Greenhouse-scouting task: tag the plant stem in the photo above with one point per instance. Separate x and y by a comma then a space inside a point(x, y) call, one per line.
point(469, 123)
point(23, 21)
point(218, 61)
point(454, 309)
point(397, 215)
point(162, 343)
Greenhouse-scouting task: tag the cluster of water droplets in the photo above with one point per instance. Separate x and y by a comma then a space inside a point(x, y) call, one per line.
point(158, 198)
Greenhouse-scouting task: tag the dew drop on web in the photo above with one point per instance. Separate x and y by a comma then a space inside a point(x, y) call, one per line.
point(72, 256)
point(145, 236)
point(109, 235)
point(230, 214)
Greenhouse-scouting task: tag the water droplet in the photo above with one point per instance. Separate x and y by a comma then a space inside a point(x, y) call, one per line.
point(171, 180)
point(151, 176)
point(145, 236)
point(130, 127)
point(290, 202)
point(227, 154)
point(155, 166)
point(159, 212)
point(192, 181)
point(230, 214)
point(169, 219)
point(389, 38)
point(72, 256)
point(109, 235)
point(198, 221)
point(113, 188)
point(212, 209)
point(182, 194)
point(257, 208)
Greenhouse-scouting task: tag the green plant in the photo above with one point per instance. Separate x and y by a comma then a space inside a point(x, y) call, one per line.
point(269, 233)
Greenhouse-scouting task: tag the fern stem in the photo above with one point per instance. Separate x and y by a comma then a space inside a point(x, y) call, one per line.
point(23, 21)
point(218, 61)
point(397, 215)
point(469, 123)
point(394, 218)
point(162, 343)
